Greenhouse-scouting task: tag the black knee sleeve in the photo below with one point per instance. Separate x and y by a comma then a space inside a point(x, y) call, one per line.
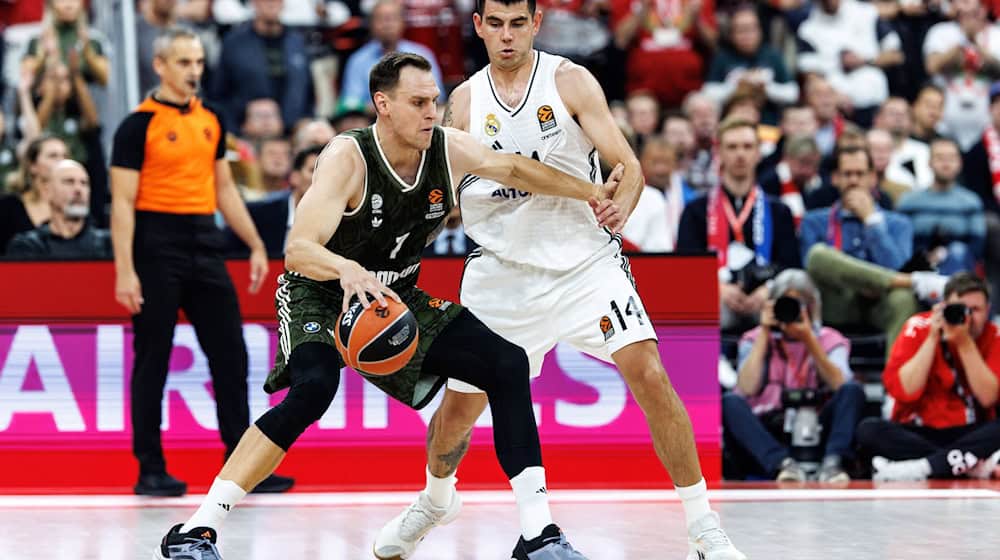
point(515, 433)
point(315, 376)
point(469, 351)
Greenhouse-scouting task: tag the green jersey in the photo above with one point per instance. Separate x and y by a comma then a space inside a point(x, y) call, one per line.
point(386, 234)
point(389, 229)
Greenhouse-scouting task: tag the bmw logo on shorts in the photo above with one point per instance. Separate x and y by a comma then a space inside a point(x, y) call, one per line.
point(312, 327)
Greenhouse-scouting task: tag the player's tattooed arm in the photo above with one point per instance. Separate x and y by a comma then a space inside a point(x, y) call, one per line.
point(447, 119)
point(456, 113)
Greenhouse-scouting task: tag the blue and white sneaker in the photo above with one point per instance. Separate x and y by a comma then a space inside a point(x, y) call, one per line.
point(196, 544)
point(550, 545)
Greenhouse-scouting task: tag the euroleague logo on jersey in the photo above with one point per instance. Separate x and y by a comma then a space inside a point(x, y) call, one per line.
point(546, 118)
point(492, 126)
point(436, 208)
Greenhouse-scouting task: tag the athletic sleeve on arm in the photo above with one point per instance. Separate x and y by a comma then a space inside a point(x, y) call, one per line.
point(129, 147)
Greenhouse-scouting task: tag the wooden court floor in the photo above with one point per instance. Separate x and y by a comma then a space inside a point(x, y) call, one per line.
point(889, 522)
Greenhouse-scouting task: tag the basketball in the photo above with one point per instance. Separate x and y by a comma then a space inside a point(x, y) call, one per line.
point(379, 340)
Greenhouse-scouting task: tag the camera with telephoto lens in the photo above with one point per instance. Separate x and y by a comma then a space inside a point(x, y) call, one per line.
point(955, 313)
point(787, 309)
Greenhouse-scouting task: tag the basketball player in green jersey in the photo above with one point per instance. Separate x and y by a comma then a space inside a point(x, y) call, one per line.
point(378, 194)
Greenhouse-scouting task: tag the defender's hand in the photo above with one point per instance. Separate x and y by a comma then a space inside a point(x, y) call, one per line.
point(608, 214)
point(606, 210)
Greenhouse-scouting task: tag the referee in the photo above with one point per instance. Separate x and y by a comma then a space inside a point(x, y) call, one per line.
point(168, 177)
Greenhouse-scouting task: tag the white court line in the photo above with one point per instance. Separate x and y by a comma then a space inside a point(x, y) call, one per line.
point(501, 497)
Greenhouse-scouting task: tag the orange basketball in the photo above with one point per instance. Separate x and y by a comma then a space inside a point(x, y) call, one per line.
point(377, 340)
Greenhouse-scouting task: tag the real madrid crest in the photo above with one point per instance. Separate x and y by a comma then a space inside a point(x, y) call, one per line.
point(492, 126)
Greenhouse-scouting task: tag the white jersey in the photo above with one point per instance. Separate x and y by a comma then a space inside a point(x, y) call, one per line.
point(548, 232)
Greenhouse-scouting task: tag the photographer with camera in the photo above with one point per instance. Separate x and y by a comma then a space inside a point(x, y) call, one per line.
point(752, 234)
point(792, 353)
point(943, 374)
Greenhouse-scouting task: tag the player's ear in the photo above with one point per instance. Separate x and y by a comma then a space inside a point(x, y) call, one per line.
point(477, 24)
point(381, 102)
point(536, 20)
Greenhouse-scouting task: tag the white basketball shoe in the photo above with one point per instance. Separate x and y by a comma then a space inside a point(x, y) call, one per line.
point(707, 541)
point(399, 538)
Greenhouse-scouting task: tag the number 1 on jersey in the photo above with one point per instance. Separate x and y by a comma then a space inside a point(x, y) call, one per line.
point(399, 245)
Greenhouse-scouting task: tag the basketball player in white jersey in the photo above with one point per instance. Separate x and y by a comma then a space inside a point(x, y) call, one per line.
point(566, 274)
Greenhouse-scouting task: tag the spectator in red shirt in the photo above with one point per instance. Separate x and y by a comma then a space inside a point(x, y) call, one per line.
point(665, 41)
point(944, 378)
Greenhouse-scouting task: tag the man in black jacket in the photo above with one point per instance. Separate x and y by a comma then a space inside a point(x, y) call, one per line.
point(67, 234)
point(273, 215)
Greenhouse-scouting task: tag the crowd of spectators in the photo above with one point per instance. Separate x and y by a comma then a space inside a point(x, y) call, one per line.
point(843, 153)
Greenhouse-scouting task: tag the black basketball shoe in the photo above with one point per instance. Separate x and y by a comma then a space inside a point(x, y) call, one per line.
point(196, 544)
point(550, 545)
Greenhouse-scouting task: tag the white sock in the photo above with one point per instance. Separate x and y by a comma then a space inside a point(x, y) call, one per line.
point(439, 490)
point(532, 501)
point(695, 500)
point(221, 497)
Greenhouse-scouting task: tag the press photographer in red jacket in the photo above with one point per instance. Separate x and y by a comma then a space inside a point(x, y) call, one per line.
point(944, 378)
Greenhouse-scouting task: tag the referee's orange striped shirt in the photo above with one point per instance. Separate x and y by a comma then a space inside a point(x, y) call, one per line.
point(174, 148)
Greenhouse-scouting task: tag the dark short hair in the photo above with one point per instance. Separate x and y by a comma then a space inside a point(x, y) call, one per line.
point(480, 4)
point(384, 76)
point(962, 283)
point(304, 154)
point(840, 152)
point(929, 87)
point(946, 140)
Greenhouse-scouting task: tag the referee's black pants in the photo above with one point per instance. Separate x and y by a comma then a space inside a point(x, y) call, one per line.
point(180, 266)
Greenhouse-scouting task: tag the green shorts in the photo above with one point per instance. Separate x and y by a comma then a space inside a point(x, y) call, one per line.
point(308, 312)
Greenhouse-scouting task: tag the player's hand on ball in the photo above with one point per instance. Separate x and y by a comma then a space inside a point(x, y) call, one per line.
point(360, 283)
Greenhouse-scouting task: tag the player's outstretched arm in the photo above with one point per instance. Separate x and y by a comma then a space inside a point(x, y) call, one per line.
point(469, 157)
point(583, 96)
point(338, 182)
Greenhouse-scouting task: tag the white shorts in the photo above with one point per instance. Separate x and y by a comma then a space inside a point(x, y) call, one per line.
point(593, 307)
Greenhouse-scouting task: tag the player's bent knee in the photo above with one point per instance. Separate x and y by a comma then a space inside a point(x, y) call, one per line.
point(512, 367)
point(315, 379)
